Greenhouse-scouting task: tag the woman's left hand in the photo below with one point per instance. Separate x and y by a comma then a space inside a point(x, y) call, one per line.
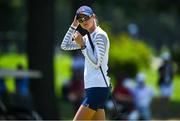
point(79, 39)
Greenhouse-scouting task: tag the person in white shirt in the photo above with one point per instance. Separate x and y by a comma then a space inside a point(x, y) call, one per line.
point(143, 96)
point(96, 80)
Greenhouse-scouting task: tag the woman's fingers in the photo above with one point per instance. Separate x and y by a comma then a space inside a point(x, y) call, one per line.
point(75, 22)
point(78, 38)
point(77, 35)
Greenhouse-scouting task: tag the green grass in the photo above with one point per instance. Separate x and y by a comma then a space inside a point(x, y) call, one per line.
point(176, 96)
point(62, 66)
point(151, 80)
point(160, 110)
point(10, 61)
point(152, 77)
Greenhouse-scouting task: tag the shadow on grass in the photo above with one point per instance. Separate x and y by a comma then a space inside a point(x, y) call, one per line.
point(165, 110)
point(161, 110)
point(66, 110)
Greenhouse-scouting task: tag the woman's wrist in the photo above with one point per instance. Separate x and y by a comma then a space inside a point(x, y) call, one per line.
point(74, 25)
point(83, 47)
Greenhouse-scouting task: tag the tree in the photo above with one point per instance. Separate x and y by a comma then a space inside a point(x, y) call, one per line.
point(40, 54)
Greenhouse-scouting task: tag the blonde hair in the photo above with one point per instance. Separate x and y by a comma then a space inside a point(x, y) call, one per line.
point(95, 19)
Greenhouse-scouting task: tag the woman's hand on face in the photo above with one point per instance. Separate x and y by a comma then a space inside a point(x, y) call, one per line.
point(79, 39)
point(75, 22)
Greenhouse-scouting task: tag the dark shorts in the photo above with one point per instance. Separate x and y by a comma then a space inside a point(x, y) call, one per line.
point(96, 97)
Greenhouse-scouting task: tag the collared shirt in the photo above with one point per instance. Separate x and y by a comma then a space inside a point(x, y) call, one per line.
point(93, 60)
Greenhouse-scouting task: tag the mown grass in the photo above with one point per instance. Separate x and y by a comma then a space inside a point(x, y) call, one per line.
point(152, 78)
point(10, 61)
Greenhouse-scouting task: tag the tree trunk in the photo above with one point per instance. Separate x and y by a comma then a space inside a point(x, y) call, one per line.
point(40, 55)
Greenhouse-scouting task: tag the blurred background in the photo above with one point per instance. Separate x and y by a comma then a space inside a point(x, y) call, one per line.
point(38, 80)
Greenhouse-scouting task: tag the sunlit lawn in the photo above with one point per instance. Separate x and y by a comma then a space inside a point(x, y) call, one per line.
point(10, 61)
point(62, 64)
point(152, 77)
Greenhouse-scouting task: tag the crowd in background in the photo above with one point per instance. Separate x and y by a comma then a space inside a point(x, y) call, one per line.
point(133, 96)
point(17, 105)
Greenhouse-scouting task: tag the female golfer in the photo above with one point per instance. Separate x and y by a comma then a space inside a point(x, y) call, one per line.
point(96, 62)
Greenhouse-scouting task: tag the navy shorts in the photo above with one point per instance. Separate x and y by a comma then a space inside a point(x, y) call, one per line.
point(96, 97)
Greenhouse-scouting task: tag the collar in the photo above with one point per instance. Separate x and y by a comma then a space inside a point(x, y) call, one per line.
point(94, 32)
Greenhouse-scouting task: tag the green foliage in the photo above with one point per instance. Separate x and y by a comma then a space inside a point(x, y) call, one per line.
point(128, 55)
point(10, 61)
point(62, 67)
point(176, 56)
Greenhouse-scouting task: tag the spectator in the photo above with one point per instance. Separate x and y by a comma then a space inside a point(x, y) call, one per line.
point(73, 90)
point(78, 62)
point(133, 30)
point(3, 88)
point(165, 81)
point(22, 83)
point(143, 95)
point(124, 97)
